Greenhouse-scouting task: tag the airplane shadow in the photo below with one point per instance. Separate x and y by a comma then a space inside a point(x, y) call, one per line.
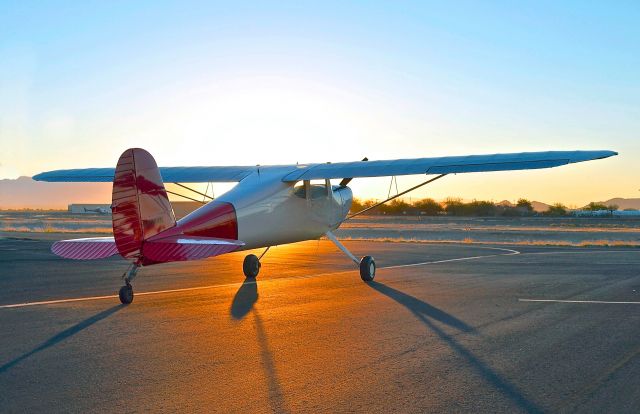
point(276, 396)
point(427, 314)
point(244, 299)
point(62, 336)
point(422, 309)
point(241, 306)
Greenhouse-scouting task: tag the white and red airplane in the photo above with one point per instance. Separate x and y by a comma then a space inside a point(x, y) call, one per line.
point(270, 205)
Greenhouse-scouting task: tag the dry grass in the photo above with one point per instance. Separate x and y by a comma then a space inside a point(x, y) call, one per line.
point(48, 228)
point(468, 240)
point(514, 227)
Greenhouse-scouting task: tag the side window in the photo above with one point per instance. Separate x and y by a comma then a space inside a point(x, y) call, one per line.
point(299, 191)
point(315, 190)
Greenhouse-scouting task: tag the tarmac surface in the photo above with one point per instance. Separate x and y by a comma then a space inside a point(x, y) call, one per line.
point(443, 328)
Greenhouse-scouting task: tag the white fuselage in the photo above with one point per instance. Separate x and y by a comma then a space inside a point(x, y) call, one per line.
point(271, 212)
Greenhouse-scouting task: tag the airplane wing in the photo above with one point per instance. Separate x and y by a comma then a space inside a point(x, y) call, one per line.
point(380, 168)
point(444, 165)
point(169, 174)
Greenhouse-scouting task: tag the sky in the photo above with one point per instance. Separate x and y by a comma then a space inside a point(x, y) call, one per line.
point(246, 83)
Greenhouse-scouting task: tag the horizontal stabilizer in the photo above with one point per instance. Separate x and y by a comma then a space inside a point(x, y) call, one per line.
point(176, 248)
point(85, 249)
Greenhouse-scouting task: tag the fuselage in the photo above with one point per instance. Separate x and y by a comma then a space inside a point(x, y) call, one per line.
point(262, 211)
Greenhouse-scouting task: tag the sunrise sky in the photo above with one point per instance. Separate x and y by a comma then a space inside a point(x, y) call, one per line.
point(278, 82)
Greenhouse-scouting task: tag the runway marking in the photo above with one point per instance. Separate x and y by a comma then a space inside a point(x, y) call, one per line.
point(580, 252)
point(189, 289)
point(459, 259)
point(510, 252)
point(580, 301)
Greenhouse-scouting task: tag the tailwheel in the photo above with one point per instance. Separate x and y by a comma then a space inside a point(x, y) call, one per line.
point(251, 266)
point(367, 268)
point(126, 294)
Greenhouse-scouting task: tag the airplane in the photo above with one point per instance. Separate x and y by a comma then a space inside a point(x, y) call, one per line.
point(99, 210)
point(270, 205)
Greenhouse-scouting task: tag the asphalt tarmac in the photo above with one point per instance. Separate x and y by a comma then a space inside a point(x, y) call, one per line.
point(444, 328)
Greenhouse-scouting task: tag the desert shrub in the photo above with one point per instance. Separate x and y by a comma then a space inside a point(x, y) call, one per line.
point(558, 209)
point(428, 206)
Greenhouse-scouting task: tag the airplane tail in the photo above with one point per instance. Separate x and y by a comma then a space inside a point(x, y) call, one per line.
point(140, 206)
point(141, 210)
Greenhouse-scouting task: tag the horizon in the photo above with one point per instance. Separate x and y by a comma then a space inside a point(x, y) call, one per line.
point(215, 84)
point(81, 193)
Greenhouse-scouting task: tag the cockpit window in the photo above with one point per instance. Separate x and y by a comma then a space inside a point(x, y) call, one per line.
point(317, 191)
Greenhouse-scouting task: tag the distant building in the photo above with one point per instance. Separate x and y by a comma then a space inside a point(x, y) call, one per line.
point(606, 213)
point(180, 208)
point(89, 208)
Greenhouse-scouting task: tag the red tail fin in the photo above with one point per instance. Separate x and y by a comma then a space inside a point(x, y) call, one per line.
point(140, 205)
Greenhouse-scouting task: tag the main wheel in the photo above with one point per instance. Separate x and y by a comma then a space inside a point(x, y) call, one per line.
point(367, 268)
point(126, 294)
point(251, 266)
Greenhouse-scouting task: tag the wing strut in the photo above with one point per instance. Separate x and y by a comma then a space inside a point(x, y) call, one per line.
point(195, 191)
point(184, 196)
point(190, 198)
point(395, 196)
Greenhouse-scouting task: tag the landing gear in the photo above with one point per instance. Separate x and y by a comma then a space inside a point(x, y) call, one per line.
point(367, 268)
point(367, 264)
point(251, 266)
point(126, 292)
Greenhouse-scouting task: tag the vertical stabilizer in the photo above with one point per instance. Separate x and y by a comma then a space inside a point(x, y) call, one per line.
point(140, 206)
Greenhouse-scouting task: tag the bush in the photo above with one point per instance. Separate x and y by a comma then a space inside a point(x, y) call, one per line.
point(428, 207)
point(596, 207)
point(525, 205)
point(558, 209)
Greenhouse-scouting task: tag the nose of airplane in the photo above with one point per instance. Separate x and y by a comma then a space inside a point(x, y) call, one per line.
point(346, 195)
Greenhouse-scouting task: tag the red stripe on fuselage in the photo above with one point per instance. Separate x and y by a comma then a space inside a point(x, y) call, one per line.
point(216, 219)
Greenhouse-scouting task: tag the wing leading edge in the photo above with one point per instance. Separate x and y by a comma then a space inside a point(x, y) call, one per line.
point(381, 168)
point(445, 165)
point(169, 174)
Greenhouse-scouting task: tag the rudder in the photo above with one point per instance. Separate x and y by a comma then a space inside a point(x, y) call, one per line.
point(140, 206)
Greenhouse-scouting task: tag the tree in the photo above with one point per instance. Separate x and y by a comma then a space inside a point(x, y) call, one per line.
point(359, 205)
point(558, 209)
point(524, 205)
point(481, 208)
point(428, 206)
point(454, 207)
point(596, 207)
point(395, 207)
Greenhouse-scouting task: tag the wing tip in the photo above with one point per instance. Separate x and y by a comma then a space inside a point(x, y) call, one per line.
point(594, 155)
point(40, 177)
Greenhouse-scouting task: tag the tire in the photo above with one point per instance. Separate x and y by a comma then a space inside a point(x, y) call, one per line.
point(126, 294)
point(251, 266)
point(367, 268)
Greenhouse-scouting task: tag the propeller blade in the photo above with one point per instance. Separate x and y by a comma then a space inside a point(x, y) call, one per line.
point(346, 181)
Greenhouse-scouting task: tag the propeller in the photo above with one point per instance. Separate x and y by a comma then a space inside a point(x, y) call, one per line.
point(346, 181)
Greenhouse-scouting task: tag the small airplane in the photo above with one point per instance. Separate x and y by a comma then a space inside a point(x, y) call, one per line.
point(99, 210)
point(270, 205)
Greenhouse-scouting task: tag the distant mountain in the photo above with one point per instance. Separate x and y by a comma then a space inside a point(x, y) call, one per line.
point(624, 203)
point(24, 192)
point(539, 207)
